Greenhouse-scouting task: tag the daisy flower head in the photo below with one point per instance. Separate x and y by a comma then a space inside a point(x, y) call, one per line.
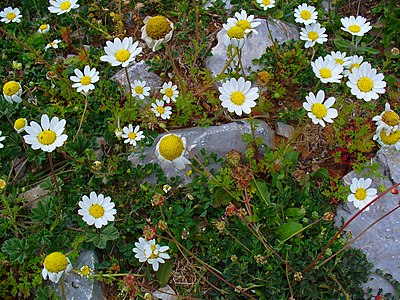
point(132, 136)
point(84, 81)
point(305, 14)
point(313, 33)
point(355, 25)
point(48, 135)
point(234, 35)
point(247, 23)
point(55, 265)
point(151, 252)
point(339, 57)
point(361, 194)
point(238, 96)
point(156, 31)
point(96, 209)
point(44, 28)
point(62, 6)
point(85, 271)
point(166, 188)
point(10, 14)
point(160, 110)
point(2, 138)
point(365, 83)
point(355, 61)
point(140, 89)
point(169, 91)
point(318, 110)
point(265, 4)
point(170, 151)
point(20, 124)
point(388, 120)
point(121, 52)
point(53, 44)
point(12, 91)
point(388, 140)
point(327, 70)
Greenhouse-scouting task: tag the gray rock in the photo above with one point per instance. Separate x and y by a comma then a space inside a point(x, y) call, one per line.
point(390, 160)
point(228, 4)
point(33, 195)
point(165, 293)
point(284, 130)
point(217, 139)
point(381, 243)
point(255, 46)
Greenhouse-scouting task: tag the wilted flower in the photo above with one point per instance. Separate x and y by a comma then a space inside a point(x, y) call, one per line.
point(55, 265)
point(171, 149)
point(20, 124)
point(12, 91)
point(156, 31)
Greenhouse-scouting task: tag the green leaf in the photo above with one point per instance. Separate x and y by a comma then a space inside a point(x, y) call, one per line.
point(293, 212)
point(100, 239)
point(342, 43)
point(46, 294)
point(45, 211)
point(278, 14)
point(221, 197)
point(321, 173)
point(164, 273)
point(286, 230)
point(16, 249)
point(262, 191)
point(368, 50)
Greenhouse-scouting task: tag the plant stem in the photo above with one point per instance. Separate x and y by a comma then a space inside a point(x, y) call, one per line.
point(130, 88)
point(62, 284)
point(83, 115)
point(176, 71)
point(58, 192)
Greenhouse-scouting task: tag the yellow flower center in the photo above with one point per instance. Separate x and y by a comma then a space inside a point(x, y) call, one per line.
point(171, 147)
point(266, 2)
point(65, 5)
point(160, 109)
point(47, 137)
point(305, 15)
point(158, 27)
point(122, 55)
point(132, 135)
point(325, 73)
point(390, 118)
point(10, 16)
point(365, 84)
point(3, 184)
point(244, 24)
point(235, 32)
point(360, 194)
point(85, 270)
point(139, 90)
point(169, 92)
point(19, 123)
point(313, 35)
point(238, 98)
point(96, 211)
point(85, 80)
point(356, 65)
point(11, 88)
point(153, 248)
point(55, 262)
point(390, 139)
point(354, 28)
point(43, 27)
point(318, 110)
point(339, 61)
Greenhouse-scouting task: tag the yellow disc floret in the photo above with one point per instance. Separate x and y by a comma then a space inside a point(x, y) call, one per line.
point(235, 32)
point(354, 28)
point(339, 61)
point(132, 135)
point(160, 109)
point(171, 147)
point(390, 118)
point(122, 55)
point(86, 80)
point(43, 27)
point(360, 194)
point(238, 98)
point(55, 262)
point(169, 92)
point(319, 110)
point(96, 211)
point(356, 65)
point(11, 88)
point(139, 90)
point(65, 5)
point(11, 16)
point(47, 137)
point(19, 123)
point(312, 35)
point(365, 84)
point(390, 139)
point(305, 15)
point(158, 27)
point(266, 2)
point(244, 24)
point(325, 73)
point(153, 249)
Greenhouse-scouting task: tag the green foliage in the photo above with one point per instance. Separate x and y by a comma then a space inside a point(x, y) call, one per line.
point(17, 249)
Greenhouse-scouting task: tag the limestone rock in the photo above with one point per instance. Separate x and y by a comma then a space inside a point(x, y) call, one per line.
point(165, 293)
point(390, 160)
point(284, 130)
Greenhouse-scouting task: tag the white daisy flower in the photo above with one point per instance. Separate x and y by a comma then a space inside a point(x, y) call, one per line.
point(247, 23)
point(48, 135)
point(97, 210)
point(388, 140)
point(355, 25)
point(140, 89)
point(121, 52)
point(166, 188)
point(365, 83)
point(305, 14)
point(151, 252)
point(12, 91)
point(234, 35)
point(313, 33)
point(53, 44)
point(44, 28)
point(20, 124)
point(10, 14)
point(361, 193)
point(169, 91)
point(265, 4)
point(327, 70)
point(62, 6)
point(160, 110)
point(170, 151)
point(84, 81)
point(156, 31)
point(55, 265)
point(132, 136)
point(2, 138)
point(355, 61)
point(339, 57)
point(387, 121)
point(238, 96)
point(318, 110)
